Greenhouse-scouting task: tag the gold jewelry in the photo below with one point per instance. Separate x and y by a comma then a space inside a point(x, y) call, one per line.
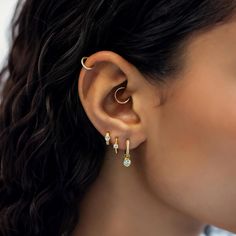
point(115, 145)
point(85, 67)
point(107, 137)
point(120, 102)
point(126, 160)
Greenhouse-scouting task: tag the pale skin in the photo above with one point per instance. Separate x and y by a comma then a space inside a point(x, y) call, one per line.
point(183, 152)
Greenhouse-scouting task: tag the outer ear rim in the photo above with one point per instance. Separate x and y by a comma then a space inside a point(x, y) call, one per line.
point(111, 56)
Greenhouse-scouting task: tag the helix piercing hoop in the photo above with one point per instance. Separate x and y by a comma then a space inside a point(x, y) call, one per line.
point(115, 96)
point(107, 137)
point(115, 145)
point(85, 67)
point(126, 160)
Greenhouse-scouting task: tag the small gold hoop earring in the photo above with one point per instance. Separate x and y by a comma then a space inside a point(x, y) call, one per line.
point(85, 67)
point(107, 137)
point(115, 95)
point(115, 145)
point(126, 160)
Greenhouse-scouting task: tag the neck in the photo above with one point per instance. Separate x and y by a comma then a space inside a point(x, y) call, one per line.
point(119, 203)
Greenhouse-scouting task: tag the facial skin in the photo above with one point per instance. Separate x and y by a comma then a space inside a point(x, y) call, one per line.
point(183, 152)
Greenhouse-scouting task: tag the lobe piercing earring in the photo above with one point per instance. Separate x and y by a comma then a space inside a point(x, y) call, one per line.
point(85, 67)
point(107, 137)
point(115, 145)
point(126, 160)
point(115, 96)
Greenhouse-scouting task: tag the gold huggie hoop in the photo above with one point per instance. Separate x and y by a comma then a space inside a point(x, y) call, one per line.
point(127, 161)
point(115, 145)
point(121, 102)
point(85, 67)
point(107, 137)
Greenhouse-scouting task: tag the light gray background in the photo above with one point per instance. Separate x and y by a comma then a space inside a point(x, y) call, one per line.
point(6, 11)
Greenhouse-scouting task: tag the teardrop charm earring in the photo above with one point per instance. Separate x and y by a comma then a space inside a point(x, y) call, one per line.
point(107, 138)
point(126, 160)
point(116, 146)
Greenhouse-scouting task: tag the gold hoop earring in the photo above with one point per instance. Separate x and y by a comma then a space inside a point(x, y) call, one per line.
point(115, 96)
point(85, 67)
point(107, 137)
point(115, 145)
point(126, 160)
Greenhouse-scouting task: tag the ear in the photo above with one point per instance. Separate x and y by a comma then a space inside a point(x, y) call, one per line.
point(96, 88)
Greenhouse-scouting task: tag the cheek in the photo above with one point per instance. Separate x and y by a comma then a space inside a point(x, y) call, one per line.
point(191, 162)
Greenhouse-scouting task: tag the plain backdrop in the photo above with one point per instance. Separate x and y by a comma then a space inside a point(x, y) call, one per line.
point(6, 11)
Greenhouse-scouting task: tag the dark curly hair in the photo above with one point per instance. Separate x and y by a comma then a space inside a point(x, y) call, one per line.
point(49, 150)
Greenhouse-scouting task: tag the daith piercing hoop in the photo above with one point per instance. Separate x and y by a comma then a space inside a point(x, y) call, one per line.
point(85, 67)
point(115, 95)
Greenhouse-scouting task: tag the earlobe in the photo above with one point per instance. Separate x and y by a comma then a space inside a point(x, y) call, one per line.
point(126, 155)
